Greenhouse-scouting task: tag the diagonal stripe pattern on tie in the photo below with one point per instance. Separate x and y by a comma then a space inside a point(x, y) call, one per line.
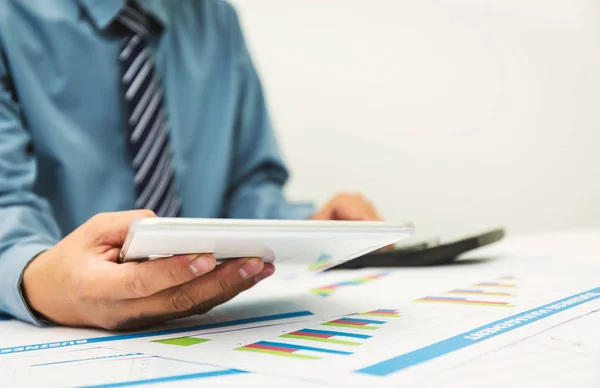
point(148, 127)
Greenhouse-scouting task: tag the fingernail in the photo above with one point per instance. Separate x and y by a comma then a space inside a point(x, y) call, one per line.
point(201, 265)
point(268, 271)
point(251, 268)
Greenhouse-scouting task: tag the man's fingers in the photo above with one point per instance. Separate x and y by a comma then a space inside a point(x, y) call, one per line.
point(267, 271)
point(372, 214)
point(223, 297)
point(140, 313)
point(110, 229)
point(200, 295)
point(227, 281)
point(325, 212)
point(139, 280)
point(350, 207)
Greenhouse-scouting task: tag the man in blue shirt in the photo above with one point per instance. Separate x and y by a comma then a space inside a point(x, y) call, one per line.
point(107, 106)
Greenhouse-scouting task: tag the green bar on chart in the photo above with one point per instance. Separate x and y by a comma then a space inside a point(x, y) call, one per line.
point(182, 341)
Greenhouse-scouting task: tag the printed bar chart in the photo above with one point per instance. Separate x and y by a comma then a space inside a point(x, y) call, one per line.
point(494, 284)
point(318, 266)
point(289, 350)
point(478, 292)
point(320, 342)
point(328, 336)
point(322, 262)
point(355, 323)
point(443, 299)
point(383, 313)
point(330, 289)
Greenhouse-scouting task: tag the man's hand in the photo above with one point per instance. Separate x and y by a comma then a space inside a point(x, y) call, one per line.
point(352, 207)
point(79, 283)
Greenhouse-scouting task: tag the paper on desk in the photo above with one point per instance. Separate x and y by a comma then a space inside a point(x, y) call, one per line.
point(430, 323)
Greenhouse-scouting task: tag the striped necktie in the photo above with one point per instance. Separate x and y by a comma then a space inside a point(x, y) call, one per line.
point(147, 124)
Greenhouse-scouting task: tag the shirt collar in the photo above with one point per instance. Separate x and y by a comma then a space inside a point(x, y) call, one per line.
point(103, 12)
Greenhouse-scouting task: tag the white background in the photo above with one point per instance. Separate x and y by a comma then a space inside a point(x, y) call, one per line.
point(455, 115)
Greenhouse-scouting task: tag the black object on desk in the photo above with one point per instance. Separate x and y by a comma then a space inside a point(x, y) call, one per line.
point(423, 254)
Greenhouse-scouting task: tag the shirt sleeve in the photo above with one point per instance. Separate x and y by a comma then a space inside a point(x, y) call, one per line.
point(27, 227)
point(258, 172)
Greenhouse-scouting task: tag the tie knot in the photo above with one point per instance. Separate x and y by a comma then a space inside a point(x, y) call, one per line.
point(134, 19)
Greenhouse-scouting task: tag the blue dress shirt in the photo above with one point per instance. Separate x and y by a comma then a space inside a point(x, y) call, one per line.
point(63, 143)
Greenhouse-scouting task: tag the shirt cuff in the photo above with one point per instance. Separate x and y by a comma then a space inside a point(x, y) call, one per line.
point(12, 266)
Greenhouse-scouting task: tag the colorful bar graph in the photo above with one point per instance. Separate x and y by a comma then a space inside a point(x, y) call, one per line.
point(355, 323)
point(443, 299)
point(329, 289)
point(274, 351)
point(289, 350)
point(328, 336)
point(182, 341)
point(493, 284)
point(480, 289)
point(478, 292)
point(383, 313)
point(296, 349)
point(322, 262)
point(318, 266)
